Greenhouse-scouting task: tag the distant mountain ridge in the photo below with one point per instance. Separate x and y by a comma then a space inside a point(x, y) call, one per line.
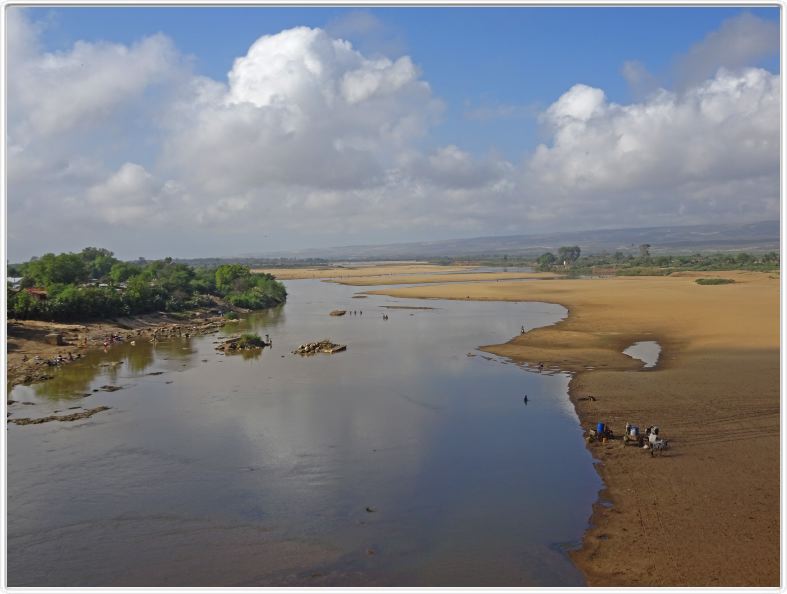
point(755, 237)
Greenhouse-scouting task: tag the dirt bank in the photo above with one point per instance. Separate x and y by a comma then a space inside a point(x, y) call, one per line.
point(26, 339)
point(706, 513)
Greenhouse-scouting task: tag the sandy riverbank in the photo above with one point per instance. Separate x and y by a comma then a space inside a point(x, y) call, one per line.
point(406, 279)
point(707, 513)
point(346, 272)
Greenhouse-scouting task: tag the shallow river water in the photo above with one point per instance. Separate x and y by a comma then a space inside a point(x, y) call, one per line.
point(409, 459)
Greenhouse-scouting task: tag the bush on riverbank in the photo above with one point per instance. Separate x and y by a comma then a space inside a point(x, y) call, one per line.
point(93, 284)
point(250, 340)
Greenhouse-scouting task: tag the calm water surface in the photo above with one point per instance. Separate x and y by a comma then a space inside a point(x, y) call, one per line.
point(647, 351)
point(402, 461)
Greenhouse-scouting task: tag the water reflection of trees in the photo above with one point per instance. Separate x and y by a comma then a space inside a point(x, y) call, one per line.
point(74, 380)
point(176, 348)
point(266, 319)
point(140, 356)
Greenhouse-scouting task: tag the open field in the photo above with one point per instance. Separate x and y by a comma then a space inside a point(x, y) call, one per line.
point(707, 512)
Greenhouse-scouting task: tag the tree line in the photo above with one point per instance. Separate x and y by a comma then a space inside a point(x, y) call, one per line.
point(93, 284)
point(570, 260)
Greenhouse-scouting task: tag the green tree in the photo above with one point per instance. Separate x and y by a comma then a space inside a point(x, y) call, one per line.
point(569, 254)
point(122, 271)
point(64, 268)
point(228, 274)
point(546, 261)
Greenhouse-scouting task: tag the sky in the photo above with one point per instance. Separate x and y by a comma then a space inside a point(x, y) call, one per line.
point(206, 131)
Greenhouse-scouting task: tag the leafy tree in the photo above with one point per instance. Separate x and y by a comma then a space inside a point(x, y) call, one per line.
point(122, 271)
point(569, 254)
point(98, 261)
point(49, 269)
point(228, 274)
point(546, 261)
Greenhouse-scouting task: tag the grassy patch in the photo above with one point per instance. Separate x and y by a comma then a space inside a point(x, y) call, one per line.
point(714, 281)
point(644, 271)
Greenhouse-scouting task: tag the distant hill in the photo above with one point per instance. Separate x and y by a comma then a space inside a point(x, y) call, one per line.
point(753, 237)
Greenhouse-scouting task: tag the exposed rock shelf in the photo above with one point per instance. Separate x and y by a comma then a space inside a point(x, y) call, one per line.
point(323, 346)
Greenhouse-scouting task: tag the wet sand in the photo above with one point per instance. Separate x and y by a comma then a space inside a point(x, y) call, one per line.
point(707, 512)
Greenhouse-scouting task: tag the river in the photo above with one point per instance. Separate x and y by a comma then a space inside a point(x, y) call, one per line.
point(411, 459)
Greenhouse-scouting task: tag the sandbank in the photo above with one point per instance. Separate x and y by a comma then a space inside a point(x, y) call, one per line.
point(394, 279)
point(326, 272)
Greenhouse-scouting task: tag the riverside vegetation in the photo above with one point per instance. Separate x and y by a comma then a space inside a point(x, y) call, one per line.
point(569, 261)
point(93, 284)
point(644, 264)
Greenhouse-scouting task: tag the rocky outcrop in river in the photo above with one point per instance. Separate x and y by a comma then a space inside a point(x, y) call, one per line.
point(323, 346)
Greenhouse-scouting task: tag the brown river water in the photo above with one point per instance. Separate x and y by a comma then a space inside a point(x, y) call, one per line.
point(400, 462)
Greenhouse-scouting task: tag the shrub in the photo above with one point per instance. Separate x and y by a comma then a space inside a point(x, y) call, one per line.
point(250, 340)
point(714, 281)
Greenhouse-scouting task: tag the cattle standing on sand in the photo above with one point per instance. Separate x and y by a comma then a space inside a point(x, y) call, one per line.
point(660, 446)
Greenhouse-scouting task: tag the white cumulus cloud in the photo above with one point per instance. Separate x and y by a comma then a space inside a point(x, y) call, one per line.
point(664, 154)
point(301, 108)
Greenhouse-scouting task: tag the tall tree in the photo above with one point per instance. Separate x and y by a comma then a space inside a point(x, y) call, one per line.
point(569, 253)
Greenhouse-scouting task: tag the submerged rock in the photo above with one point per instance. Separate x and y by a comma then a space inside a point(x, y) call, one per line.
point(72, 417)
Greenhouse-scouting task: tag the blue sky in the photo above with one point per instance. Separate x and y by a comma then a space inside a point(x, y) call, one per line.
point(494, 75)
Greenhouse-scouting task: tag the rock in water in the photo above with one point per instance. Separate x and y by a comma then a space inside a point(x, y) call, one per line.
point(323, 346)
